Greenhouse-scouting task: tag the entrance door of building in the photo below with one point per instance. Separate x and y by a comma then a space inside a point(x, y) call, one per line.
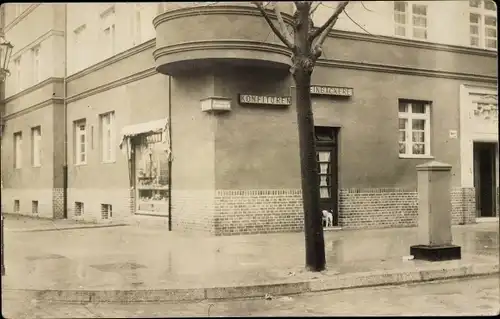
point(326, 151)
point(485, 178)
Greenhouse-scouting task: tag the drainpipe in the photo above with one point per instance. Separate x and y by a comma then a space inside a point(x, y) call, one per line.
point(65, 106)
point(171, 156)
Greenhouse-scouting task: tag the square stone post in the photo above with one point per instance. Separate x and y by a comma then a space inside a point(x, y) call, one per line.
point(434, 214)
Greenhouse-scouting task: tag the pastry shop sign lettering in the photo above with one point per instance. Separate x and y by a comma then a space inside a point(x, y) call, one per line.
point(265, 100)
point(153, 138)
point(331, 90)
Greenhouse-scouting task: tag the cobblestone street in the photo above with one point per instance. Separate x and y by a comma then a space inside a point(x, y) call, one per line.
point(478, 296)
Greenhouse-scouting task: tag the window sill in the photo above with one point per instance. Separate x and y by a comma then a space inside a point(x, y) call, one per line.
point(36, 166)
point(81, 164)
point(108, 162)
point(404, 156)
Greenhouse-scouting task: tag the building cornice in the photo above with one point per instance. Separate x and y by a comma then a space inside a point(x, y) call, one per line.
point(50, 101)
point(34, 88)
point(37, 41)
point(21, 16)
point(349, 35)
point(386, 68)
point(222, 44)
point(215, 10)
point(120, 56)
point(111, 85)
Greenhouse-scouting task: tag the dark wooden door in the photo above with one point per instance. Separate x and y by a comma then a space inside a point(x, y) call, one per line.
point(326, 152)
point(485, 178)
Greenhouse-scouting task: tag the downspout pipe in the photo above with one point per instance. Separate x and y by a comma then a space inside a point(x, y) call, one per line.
point(171, 152)
point(65, 107)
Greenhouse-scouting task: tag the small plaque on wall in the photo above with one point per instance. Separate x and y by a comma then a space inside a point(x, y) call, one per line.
point(216, 104)
point(453, 134)
point(265, 100)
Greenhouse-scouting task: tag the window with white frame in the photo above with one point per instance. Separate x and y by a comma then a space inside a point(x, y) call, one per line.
point(414, 128)
point(36, 146)
point(18, 149)
point(137, 24)
point(483, 24)
point(410, 19)
point(107, 123)
point(35, 53)
point(78, 47)
point(17, 67)
point(108, 39)
point(80, 128)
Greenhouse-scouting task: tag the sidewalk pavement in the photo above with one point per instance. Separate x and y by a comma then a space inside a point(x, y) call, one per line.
point(134, 264)
point(21, 223)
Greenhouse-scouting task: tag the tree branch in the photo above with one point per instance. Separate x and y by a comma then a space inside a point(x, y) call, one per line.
point(314, 8)
point(322, 31)
point(282, 24)
point(347, 14)
point(278, 33)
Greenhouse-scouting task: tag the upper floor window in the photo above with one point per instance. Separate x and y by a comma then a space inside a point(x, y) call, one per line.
point(108, 38)
point(36, 146)
point(80, 133)
point(483, 24)
point(137, 24)
point(35, 52)
point(108, 137)
point(410, 19)
point(18, 149)
point(78, 45)
point(414, 129)
point(17, 67)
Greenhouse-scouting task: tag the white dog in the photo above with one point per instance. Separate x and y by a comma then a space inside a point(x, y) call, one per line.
point(328, 218)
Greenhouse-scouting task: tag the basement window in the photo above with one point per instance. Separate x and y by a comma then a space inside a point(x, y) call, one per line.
point(17, 206)
point(106, 211)
point(34, 207)
point(78, 209)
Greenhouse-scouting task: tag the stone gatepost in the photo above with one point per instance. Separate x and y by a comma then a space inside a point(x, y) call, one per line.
point(434, 214)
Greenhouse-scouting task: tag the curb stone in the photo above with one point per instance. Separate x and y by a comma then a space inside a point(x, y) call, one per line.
point(29, 230)
point(345, 281)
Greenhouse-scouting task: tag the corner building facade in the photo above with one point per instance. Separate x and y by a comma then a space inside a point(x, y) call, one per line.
point(217, 100)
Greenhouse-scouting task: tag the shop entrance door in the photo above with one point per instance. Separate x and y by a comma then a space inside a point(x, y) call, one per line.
point(326, 152)
point(485, 178)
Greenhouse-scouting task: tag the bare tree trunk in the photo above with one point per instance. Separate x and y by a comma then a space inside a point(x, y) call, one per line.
point(313, 228)
point(303, 65)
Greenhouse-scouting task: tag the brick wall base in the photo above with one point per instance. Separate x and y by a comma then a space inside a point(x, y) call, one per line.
point(377, 208)
point(58, 202)
point(258, 211)
point(233, 212)
point(463, 203)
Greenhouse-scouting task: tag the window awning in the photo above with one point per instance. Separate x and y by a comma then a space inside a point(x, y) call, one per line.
point(148, 127)
point(141, 128)
point(158, 126)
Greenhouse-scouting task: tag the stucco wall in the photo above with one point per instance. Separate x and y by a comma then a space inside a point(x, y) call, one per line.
point(256, 146)
point(28, 176)
point(368, 140)
point(29, 183)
